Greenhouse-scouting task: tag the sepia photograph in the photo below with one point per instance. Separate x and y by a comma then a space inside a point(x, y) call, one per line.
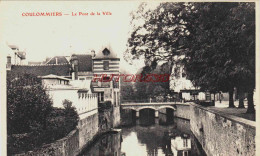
point(129, 78)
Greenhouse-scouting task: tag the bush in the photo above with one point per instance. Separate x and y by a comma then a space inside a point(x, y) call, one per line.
point(60, 123)
point(31, 119)
point(28, 105)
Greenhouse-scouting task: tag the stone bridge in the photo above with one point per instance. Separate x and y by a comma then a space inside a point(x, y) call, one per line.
point(155, 106)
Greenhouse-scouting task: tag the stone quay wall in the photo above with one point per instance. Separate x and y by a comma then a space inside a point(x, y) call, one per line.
point(88, 129)
point(116, 116)
point(74, 142)
point(67, 146)
point(90, 126)
point(221, 134)
point(182, 111)
point(108, 119)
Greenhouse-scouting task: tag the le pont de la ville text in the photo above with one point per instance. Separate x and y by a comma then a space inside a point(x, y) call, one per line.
point(66, 14)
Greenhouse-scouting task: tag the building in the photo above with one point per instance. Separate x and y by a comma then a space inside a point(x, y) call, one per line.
point(58, 60)
point(60, 88)
point(106, 63)
point(98, 67)
point(181, 145)
point(185, 90)
point(182, 87)
point(73, 75)
point(17, 56)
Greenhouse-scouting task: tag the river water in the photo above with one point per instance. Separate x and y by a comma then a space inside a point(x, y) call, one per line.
point(148, 137)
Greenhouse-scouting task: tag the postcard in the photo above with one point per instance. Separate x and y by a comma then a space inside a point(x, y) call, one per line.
point(129, 78)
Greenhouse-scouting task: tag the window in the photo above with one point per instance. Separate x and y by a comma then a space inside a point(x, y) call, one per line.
point(106, 52)
point(106, 79)
point(183, 74)
point(100, 96)
point(115, 102)
point(106, 65)
point(185, 142)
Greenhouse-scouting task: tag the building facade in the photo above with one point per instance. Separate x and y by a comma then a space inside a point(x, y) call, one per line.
point(183, 88)
point(73, 76)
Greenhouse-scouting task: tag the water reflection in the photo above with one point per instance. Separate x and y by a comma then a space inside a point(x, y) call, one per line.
point(107, 145)
point(152, 138)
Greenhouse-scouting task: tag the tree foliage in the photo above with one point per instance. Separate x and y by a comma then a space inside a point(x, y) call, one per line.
point(71, 116)
point(31, 119)
point(27, 103)
point(158, 34)
point(221, 52)
point(217, 41)
point(146, 90)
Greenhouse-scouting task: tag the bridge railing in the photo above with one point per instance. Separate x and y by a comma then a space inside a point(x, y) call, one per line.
point(150, 101)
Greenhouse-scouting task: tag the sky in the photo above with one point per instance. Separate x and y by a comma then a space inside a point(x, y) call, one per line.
point(43, 37)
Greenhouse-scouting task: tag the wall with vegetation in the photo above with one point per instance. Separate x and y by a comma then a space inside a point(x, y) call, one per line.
point(66, 146)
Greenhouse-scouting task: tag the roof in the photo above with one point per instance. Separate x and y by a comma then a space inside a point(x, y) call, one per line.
point(34, 63)
point(105, 52)
point(13, 46)
point(84, 62)
point(21, 54)
point(51, 76)
point(60, 60)
point(83, 85)
point(41, 70)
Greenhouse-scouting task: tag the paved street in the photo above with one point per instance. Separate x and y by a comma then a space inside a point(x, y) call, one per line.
point(240, 112)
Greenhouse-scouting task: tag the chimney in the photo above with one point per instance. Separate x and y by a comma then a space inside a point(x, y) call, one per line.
point(9, 63)
point(56, 60)
point(93, 54)
point(75, 67)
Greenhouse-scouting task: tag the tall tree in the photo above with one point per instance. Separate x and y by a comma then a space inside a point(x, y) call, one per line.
point(217, 40)
point(222, 47)
point(157, 34)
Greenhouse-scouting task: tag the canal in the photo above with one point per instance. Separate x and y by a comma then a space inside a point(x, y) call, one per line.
point(147, 136)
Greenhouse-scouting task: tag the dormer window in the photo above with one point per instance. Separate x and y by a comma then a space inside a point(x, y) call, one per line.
point(106, 52)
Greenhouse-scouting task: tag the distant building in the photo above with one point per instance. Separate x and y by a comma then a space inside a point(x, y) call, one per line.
point(181, 145)
point(58, 60)
point(182, 87)
point(185, 90)
point(82, 66)
point(18, 57)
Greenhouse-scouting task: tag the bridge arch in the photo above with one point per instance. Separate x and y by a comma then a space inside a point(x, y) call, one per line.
point(146, 107)
point(130, 108)
point(171, 107)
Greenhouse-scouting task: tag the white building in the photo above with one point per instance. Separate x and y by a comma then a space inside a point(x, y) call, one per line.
point(78, 92)
point(17, 56)
point(180, 85)
point(181, 145)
